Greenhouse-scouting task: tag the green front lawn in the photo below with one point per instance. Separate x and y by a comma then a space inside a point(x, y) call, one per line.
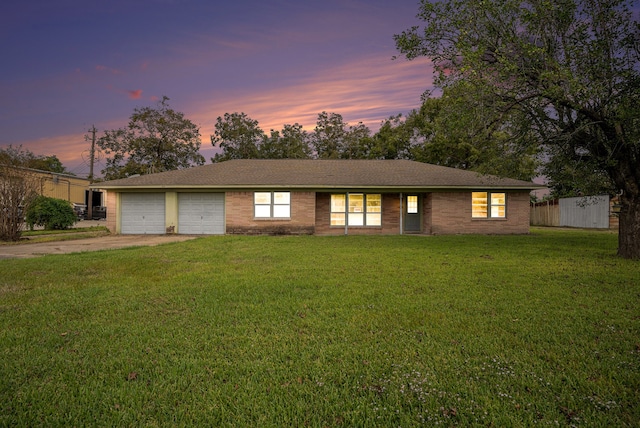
point(325, 331)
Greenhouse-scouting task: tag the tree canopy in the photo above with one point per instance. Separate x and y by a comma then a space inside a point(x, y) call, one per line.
point(569, 69)
point(453, 131)
point(291, 143)
point(240, 137)
point(444, 131)
point(25, 158)
point(155, 140)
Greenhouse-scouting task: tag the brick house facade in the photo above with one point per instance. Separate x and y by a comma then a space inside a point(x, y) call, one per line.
point(319, 197)
point(243, 221)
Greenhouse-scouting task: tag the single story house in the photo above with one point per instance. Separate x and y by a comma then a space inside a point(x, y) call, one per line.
point(323, 197)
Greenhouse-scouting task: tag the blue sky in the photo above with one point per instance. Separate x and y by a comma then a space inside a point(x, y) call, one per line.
point(68, 65)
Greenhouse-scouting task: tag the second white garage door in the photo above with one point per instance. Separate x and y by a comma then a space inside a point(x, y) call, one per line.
point(142, 213)
point(201, 213)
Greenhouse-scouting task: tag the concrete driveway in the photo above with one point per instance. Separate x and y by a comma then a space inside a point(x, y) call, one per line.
point(89, 244)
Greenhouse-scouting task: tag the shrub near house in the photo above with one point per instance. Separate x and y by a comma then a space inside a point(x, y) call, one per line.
point(51, 213)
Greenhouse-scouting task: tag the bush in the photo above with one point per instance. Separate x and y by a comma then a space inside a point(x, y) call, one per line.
point(53, 214)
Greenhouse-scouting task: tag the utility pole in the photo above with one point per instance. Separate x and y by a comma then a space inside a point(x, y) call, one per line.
point(92, 153)
point(92, 156)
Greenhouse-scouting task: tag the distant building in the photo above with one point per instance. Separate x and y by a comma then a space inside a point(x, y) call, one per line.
point(62, 186)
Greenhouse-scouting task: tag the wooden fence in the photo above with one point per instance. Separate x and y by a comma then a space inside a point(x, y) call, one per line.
point(591, 212)
point(545, 213)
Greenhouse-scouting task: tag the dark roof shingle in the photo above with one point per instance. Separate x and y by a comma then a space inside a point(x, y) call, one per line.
point(318, 174)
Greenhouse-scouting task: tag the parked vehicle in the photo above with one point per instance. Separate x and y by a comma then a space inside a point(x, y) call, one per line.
point(99, 213)
point(80, 210)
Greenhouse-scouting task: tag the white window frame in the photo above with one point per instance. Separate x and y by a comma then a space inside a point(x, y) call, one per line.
point(489, 205)
point(272, 205)
point(344, 208)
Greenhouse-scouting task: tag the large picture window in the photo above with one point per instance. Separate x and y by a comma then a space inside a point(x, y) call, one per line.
point(488, 205)
point(356, 209)
point(272, 204)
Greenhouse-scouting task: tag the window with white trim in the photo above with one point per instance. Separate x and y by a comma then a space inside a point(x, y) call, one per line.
point(356, 209)
point(488, 204)
point(272, 204)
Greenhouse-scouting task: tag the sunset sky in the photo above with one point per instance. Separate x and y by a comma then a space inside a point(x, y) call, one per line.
point(68, 65)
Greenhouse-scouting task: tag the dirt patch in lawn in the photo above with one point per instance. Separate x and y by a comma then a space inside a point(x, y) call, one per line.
point(88, 244)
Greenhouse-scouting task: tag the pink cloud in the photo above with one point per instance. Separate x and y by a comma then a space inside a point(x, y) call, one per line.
point(135, 95)
point(367, 90)
point(101, 67)
point(132, 94)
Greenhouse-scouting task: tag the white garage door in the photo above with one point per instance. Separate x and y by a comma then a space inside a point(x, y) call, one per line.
point(201, 213)
point(142, 213)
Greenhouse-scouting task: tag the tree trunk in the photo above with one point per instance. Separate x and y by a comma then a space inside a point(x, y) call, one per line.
point(629, 232)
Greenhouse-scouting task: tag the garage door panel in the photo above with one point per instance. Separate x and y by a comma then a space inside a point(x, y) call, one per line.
point(201, 213)
point(142, 213)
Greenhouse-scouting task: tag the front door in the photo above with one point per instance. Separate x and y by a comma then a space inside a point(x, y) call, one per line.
point(412, 214)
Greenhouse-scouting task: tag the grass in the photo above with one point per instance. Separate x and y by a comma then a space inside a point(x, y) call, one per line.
point(41, 232)
point(33, 236)
point(537, 330)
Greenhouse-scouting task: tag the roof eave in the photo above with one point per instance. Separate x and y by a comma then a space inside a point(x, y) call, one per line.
point(319, 187)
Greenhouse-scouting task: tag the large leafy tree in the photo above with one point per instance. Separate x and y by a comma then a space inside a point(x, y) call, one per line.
point(571, 67)
point(155, 140)
point(355, 143)
point(328, 136)
point(453, 131)
point(238, 137)
point(571, 174)
point(394, 138)
point(333, 138)
point(22, 157)
point(291, 143)
point(458, 130)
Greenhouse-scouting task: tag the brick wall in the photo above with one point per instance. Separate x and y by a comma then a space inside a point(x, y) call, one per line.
point(112, 213)
point(451, 214)
point(240, 215)
point(427, 213)
point(443, 213)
